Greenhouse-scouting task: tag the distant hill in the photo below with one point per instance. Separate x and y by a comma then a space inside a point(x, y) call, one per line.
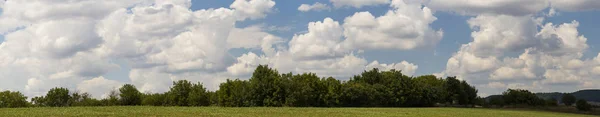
point(592, 95)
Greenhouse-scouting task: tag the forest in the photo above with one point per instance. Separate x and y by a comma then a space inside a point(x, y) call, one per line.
point(268, 88)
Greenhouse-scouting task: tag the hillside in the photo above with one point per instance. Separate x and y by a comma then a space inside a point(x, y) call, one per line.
point(589, 95)
point(592, 95)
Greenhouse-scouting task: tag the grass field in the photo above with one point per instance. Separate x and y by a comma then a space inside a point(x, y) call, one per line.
point(276, 112)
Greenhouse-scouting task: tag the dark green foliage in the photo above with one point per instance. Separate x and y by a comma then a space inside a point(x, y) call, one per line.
point(179, 93)
point(56, 97)
point(154, 99)
point(198, 96)
point(266, 87)
point(9, 99)
point(496, 100)
point(521, 97)
point(83, 99)
point(129, 95)
point(583, 105)
point(234, 93)
point(112, 100)
point(551, 102)
point(568, 99)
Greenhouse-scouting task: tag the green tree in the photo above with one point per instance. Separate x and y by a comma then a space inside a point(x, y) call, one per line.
point(306, 91)
point(331, 96)
point(234, 93)
point(112, 100)
point(129, 95)
point(568, 99)
point(266, 87)
point(154, 99)
point(57, 97)
point(179, 93)
point(198, 96)
point(551, 102)
point(453, 89)
point(83, 99)
point(521, 97)
point(583, 105)
point(9, 99)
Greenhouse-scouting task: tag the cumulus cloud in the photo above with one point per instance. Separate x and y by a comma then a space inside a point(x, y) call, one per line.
point(72, 43)
point(550, 58)
point(314, 7)
point(321, 41)
point(405, 27)
point(406, 67)
point(476, 7)
point(98, 87)
point(357, 3)
point(253, 9)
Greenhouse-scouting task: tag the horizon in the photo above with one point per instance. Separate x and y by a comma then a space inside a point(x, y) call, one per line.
point(97, 46)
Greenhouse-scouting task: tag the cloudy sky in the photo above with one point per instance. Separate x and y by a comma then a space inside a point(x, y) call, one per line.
point(97, 45)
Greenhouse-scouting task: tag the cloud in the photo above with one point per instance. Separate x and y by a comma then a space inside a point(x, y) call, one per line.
point(314, 7)
point(321, 41)
point(405, 27)
point(357, 3)
point(476, 7)
point(550, 58)
point(406, 67)
point(98, 87)
point(575, 5)
point(73, 43)
point(253, 9)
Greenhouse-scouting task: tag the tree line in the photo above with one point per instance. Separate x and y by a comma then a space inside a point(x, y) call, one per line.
point(268, 88)
point(525, 98)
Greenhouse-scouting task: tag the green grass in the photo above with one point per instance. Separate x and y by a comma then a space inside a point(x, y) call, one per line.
point(276, 112)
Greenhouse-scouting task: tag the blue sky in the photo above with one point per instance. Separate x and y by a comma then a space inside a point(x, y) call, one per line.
point(542, 45)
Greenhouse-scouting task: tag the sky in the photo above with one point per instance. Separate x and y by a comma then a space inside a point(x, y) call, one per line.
point(97, 46)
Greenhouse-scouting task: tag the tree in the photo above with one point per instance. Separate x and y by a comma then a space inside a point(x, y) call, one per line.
point(178, 94)
point(83, 99)
point(155, 99)
point(305, 90)
point(266, 87)
point(568, 99)
point(9, 99)
point(497, 100)
point(582, 105)
point(521, 97)
point(129, 95)
point(453, 88)
point(551, 102)
point(234, 93)
point(198, 96)
point(56, 97)
point(112, 100)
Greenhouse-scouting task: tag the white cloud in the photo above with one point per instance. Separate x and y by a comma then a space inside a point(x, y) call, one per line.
point(321, 41)
point(253, 9)
point(98, 87)
point(406, 67)
point(405, 27)
point(314, 7)
point(357, 3)
point(74, 42)
point(550, 59)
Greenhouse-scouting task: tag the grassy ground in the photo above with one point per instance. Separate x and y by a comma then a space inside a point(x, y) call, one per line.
point(276, 112)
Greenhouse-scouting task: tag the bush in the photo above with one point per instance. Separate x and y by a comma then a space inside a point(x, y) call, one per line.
point(130, 95)
point(568, 99)
point(10, 99)
point(582, 105)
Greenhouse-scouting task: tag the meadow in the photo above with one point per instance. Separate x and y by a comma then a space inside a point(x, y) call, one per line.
point(275, 112)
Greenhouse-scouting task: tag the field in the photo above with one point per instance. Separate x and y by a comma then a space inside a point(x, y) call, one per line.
point(276, 112)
